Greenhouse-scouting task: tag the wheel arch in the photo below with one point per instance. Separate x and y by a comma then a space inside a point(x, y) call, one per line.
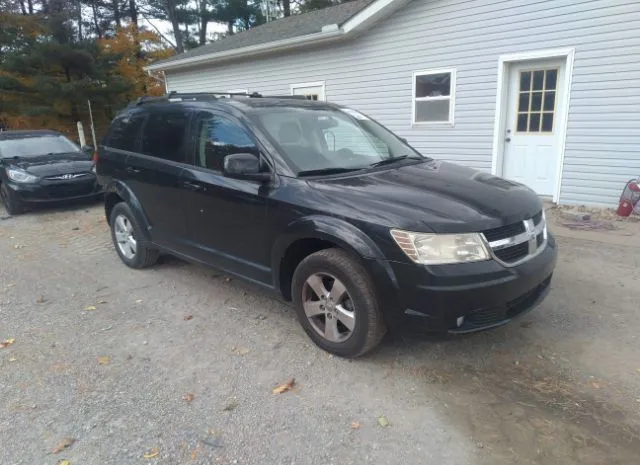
point(117, 192)
point(316, 233)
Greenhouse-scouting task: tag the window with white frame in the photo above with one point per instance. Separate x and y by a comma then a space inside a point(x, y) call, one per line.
point(434, 96)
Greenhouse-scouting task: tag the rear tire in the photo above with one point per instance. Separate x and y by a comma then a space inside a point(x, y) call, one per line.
point(12, 203)
point(127, 239)
point(348, 326)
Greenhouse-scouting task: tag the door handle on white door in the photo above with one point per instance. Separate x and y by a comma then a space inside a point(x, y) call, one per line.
point(507, 139)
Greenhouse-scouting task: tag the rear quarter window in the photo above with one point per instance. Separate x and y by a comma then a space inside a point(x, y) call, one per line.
point(124, 132)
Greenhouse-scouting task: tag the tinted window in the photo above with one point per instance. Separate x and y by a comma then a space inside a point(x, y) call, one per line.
point(124, 132)
point(219, 137)
point(163, 135)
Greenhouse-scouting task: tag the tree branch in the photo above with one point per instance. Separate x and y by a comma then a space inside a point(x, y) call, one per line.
point(162, 36)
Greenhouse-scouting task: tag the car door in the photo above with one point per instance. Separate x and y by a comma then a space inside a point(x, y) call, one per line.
point(153, 174)
point(226, 218)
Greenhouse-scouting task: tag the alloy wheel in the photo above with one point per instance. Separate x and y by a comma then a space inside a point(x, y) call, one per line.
point(328, 307)
point(125, 236)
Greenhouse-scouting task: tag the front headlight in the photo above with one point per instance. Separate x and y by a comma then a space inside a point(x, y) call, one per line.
point(18, 175)
point(439, 249)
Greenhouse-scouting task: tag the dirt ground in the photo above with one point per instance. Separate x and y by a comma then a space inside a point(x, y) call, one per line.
point(176, 364)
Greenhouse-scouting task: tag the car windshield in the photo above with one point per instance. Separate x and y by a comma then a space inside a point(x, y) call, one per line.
point(34, 146)
point(326, 140)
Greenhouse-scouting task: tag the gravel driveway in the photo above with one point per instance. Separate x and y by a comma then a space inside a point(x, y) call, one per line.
point(176, 365)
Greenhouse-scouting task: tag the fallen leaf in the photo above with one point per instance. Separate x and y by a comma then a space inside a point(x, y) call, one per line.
point(188, 397)
point(102, 302)
point(382, 421)
point(13, 359)
point(91, 307)
point(41, 299)
point(63, 462)
point(230, 406)
point(62, 445)
point(595, 385)
point(103, 360)
point(187, 317)
point(151, 454)
point(284, 387)
point(196, 451)
point(6, 343)
point(139, 301)
point(241, 350)
point(18, 246)
point(638, 370)
point(355, 425)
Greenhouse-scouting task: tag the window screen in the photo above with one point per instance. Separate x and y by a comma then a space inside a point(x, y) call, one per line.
point(163, 135)
point(219, 137)
point(124, 132)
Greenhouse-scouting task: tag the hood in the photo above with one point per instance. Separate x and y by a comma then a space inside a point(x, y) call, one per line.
point(53, 164)
point(430, 197)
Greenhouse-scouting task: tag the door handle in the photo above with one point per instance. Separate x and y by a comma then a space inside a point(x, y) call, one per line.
point(192, 186)
point(508, 139)
point(132, 170)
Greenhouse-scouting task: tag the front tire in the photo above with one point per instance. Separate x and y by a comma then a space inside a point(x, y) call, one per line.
point(336, 303)
point(12, 203)
point(127, 239)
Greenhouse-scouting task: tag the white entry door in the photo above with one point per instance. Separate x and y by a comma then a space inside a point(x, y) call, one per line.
point(312, 90)
point(532, 138)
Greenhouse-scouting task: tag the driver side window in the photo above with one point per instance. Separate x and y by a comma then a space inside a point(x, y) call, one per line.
point(218, 137)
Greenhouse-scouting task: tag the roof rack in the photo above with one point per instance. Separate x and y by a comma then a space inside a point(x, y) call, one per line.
point(176, 96)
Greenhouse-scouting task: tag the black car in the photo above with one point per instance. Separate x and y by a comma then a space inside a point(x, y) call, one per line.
point(326, 207)
point(43, 166)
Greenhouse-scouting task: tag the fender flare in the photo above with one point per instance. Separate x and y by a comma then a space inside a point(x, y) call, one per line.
point(343, 234)
point(125, 193)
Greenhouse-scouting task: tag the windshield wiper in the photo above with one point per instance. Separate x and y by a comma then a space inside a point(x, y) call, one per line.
point(388, 161)
point(334, 170)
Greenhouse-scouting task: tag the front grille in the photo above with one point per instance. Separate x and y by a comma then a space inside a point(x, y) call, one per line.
point(513, 254)
point(513, 243)
point(67, 177)
point(503, 232)
point(486, 316)
point(62, 191)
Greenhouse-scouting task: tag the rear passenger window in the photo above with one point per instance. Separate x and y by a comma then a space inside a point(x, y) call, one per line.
point(219, 137)
point(124, 132)
point(163, 135)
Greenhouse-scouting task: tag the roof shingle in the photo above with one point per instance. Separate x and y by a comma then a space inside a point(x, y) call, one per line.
point(285, 28)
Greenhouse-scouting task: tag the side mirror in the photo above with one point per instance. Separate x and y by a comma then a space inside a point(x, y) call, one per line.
point(244, 166)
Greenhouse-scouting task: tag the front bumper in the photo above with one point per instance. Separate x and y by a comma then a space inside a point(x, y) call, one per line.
point(53, 191)
point(470, 297)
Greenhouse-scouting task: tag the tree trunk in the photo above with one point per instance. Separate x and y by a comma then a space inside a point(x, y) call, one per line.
point(204, 22)
point(116, 12)
point(230, 27)
point(170, 6)
point(133, 11)
point(286, 6)
point(30, 6)
point(23, 8)
point(96, 23)
point(79, 22)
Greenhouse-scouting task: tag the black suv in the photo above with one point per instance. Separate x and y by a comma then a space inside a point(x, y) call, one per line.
point(327, 208)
